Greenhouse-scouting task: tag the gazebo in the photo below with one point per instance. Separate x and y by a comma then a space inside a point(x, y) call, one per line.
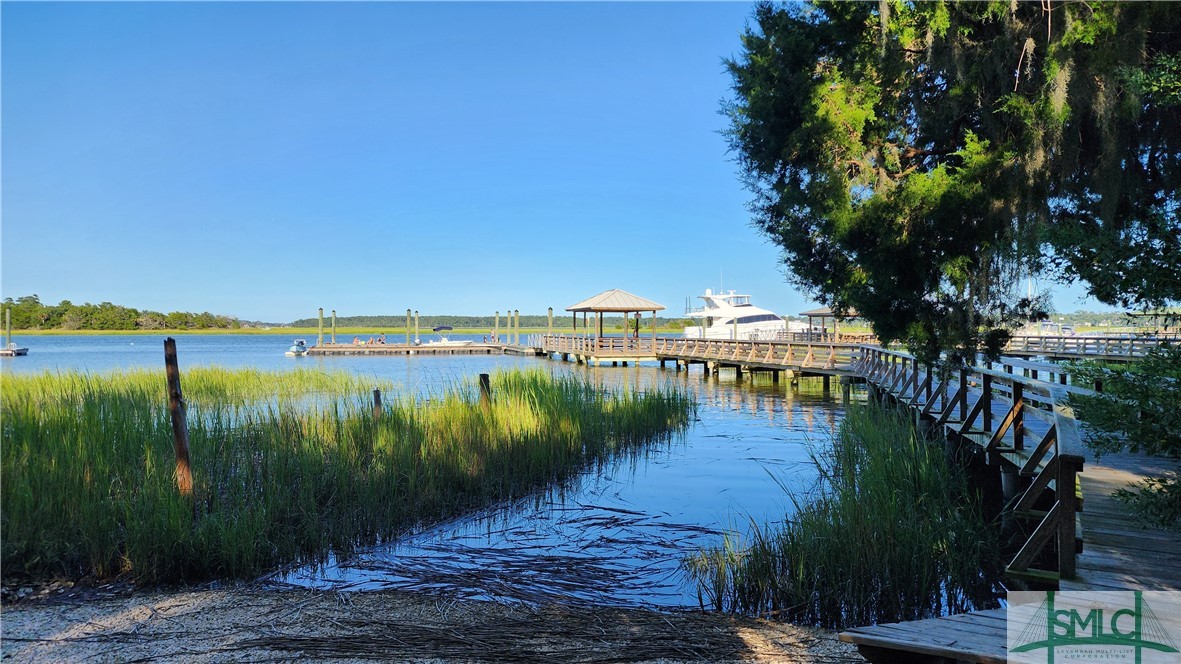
point(824, 313)
point(614, 301)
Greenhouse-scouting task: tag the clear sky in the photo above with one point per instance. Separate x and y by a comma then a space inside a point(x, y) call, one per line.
point(261, 160)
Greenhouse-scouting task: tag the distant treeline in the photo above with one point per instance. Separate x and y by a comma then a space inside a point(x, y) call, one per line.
point(561, 322)
point(28, 313)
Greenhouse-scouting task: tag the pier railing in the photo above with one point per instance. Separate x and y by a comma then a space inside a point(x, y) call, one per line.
point(1018, 422)
point(818, 355)
point(830, 356)
point(597, 346)
point(1087, 346)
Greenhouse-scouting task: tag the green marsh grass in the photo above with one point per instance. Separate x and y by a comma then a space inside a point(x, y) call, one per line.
point(288, 466)
point(891, 532)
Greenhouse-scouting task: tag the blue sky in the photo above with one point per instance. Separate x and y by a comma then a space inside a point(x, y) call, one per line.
point(265, 159)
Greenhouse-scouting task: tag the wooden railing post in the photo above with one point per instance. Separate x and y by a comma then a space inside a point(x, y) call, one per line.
point(1019, 419)
point(986, 386)
point(963, 394)
point(1069, 466)
point(180, 430)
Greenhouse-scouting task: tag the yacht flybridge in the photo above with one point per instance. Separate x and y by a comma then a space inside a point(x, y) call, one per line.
point(731, 316)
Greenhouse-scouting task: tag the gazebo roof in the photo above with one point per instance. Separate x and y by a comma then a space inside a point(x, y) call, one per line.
point(826, 312)
point(615, 300)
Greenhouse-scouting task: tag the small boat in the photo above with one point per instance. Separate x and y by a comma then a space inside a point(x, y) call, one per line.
point(12, 350)
point(442, 331)
point(727, 314)
point(299, 348)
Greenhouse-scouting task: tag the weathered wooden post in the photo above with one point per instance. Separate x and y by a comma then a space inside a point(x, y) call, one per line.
point(550, 321)
point(496, 327)
point(320, 337)
point(377, 403)
point(1069, 466)
point(7, 327)
point(416, 340)
point(334, 326)
point(1019, 416)
point(516, 327)
point(407, 327)
point(180, 429)
point(986, 388)
point(735, 328)
point(485, 392)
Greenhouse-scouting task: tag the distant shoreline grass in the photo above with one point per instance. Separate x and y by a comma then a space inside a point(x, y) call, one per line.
point(288, 466)
point(311, 333)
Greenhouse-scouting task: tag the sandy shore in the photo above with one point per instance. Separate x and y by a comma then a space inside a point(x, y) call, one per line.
point(252, 624)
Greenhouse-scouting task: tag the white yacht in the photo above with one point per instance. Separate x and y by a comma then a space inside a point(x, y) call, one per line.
point(725, 315)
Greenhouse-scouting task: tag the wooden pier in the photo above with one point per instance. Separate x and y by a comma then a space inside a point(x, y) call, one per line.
point(427, 349)
point(1012, 413)
point(1019, 422)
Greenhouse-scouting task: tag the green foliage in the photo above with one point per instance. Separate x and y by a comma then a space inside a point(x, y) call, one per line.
point(287, 466)
point(1137, 411)
point(1138, 407)
point(1156, 501)
point(28, 313)
point(893, 533)
point(916, 160)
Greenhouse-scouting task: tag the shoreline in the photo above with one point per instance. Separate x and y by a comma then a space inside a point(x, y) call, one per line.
point(296, 331)
point(247, 622)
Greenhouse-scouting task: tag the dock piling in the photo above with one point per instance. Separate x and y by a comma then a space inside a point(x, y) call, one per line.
point(516, 327)
point(180, 429)
point(334, 326)
point(416, 340)
point(320, 336)
point(376, 404)
point(407, 327)
point(485, 392)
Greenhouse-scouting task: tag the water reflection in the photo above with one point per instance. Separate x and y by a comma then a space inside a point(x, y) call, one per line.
point(617, 536)
point(612, 536)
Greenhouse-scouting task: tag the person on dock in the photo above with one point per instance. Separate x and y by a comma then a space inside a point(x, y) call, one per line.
point(356, 341)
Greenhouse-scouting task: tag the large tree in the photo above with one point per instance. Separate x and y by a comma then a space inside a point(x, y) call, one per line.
point(915, 160)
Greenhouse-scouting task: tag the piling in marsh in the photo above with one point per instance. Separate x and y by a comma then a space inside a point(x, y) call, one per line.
point(891, 532)
point(287, 466)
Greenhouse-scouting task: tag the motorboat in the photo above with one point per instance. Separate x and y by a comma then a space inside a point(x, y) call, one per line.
point(299, 348)
point(730, 315)
point(443, 331)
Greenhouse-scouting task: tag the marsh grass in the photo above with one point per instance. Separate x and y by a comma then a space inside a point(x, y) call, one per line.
point(288, 466)
point(891, 532)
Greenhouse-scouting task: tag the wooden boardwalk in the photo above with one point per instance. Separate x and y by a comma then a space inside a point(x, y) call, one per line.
point(427, 349)
point(1013, 413)
point(1056, 482)
point(979, 636)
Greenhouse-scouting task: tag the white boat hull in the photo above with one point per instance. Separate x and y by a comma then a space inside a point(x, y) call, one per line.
point(746, 332)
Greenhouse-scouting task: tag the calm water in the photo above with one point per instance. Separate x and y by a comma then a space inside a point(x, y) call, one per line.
point(614, 536)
